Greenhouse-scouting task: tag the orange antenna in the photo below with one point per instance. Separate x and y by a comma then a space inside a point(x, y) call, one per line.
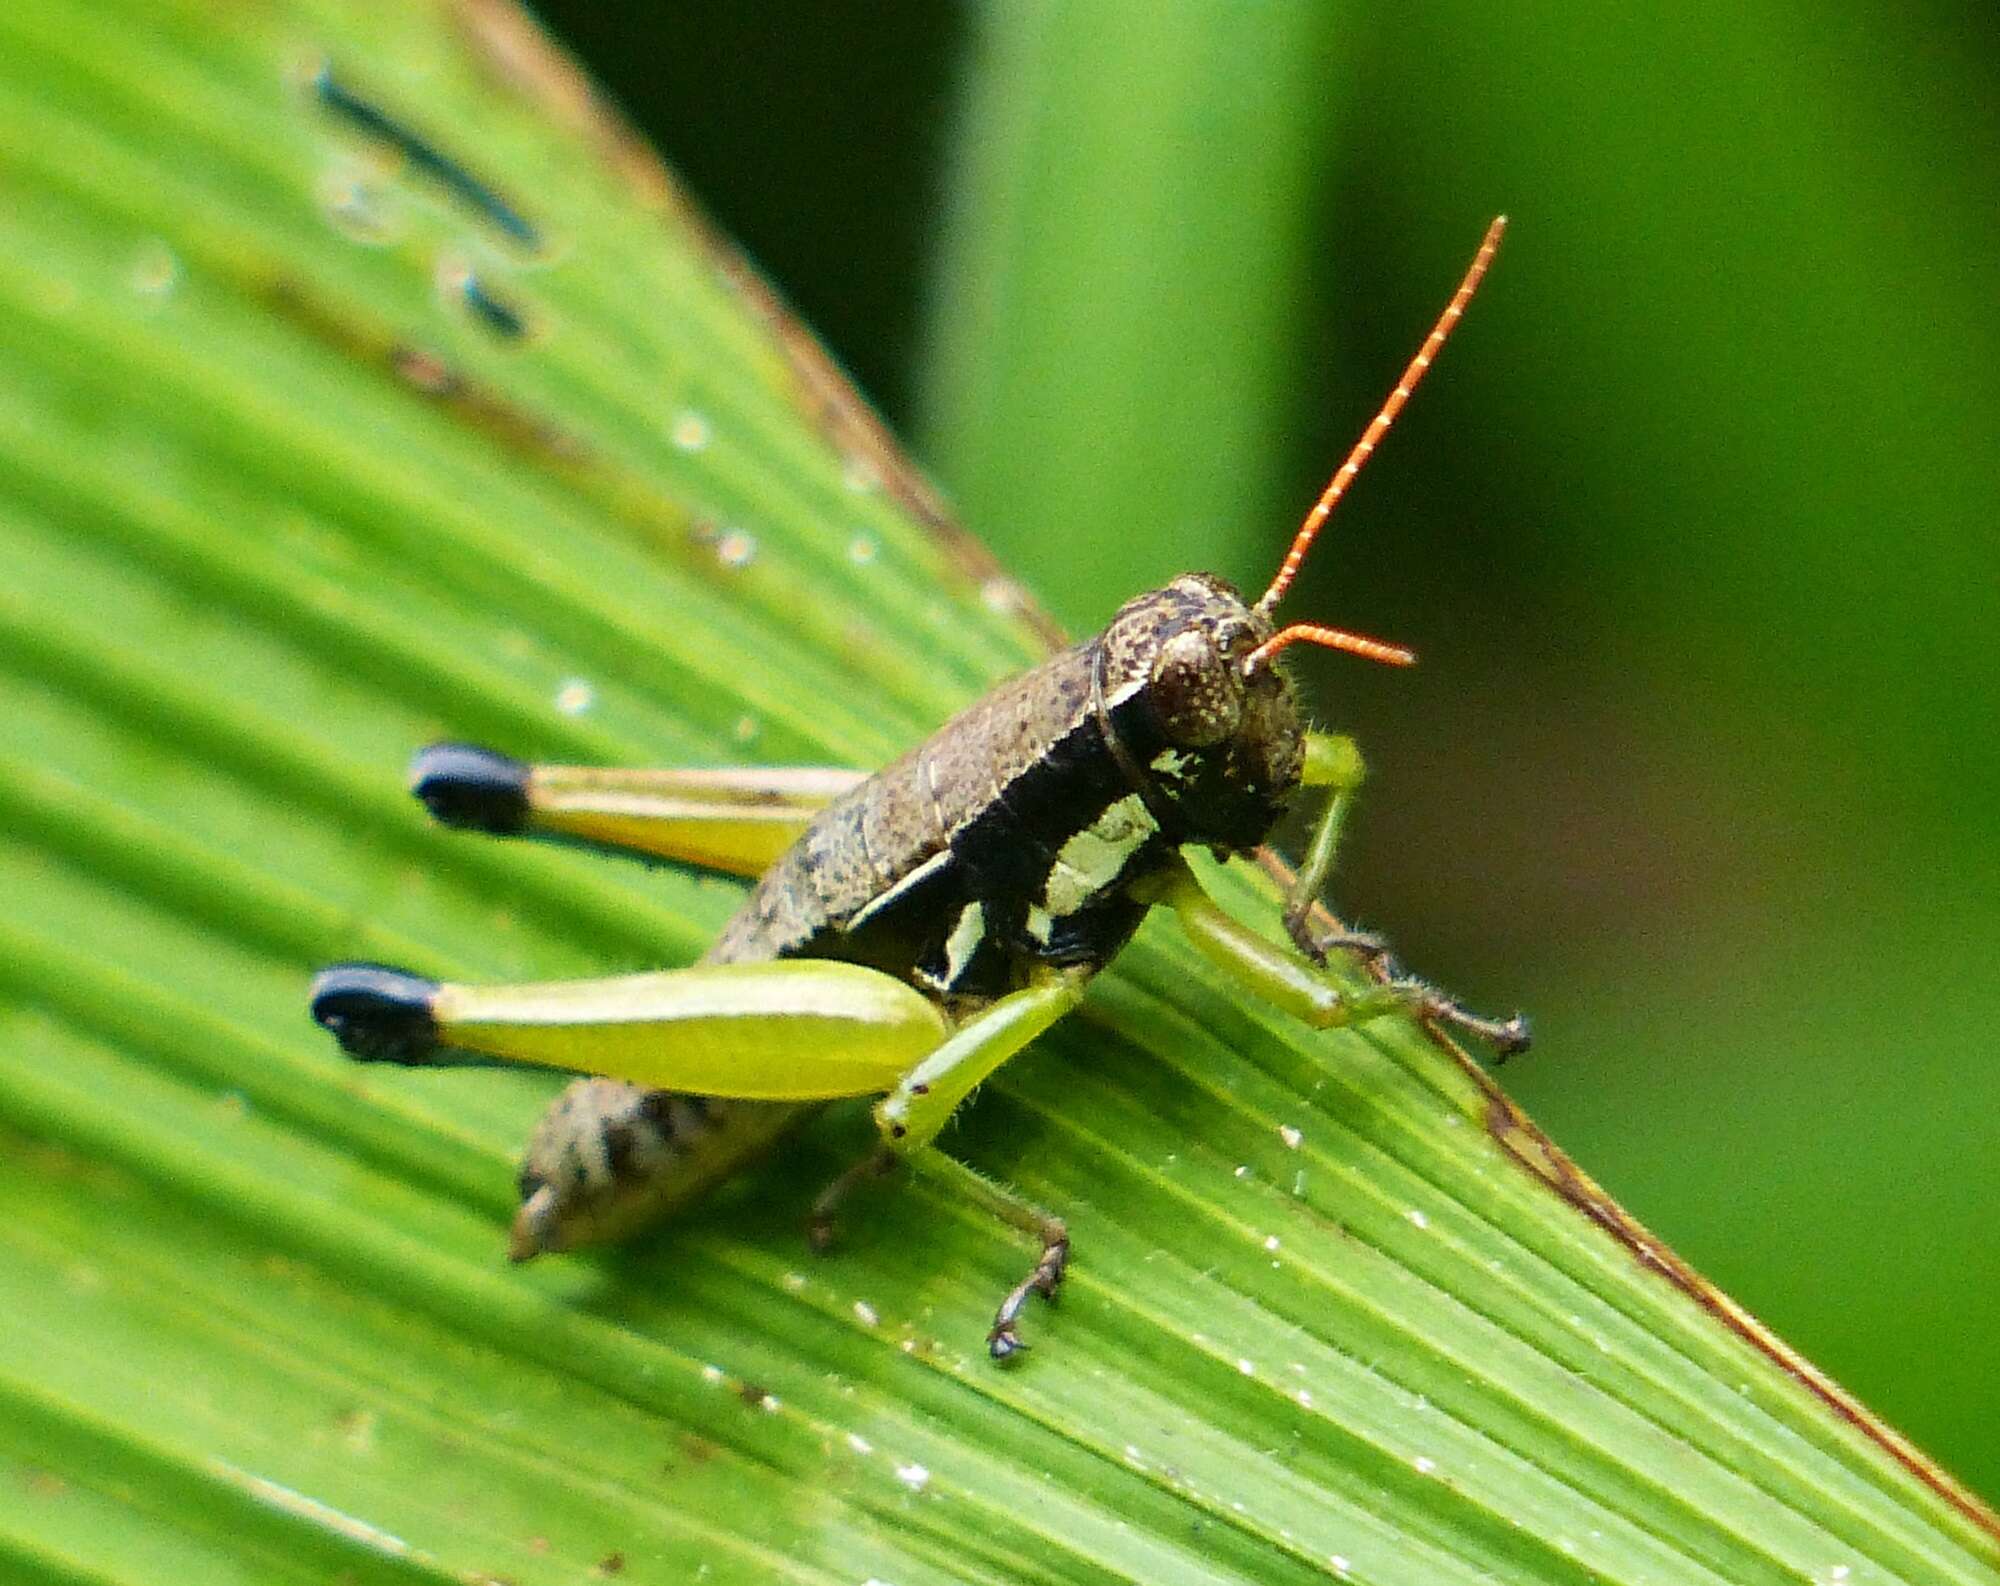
point(1372, 436)
point(1329, 638)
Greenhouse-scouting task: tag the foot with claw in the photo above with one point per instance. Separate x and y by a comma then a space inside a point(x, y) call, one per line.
point(1505, 1037)
point(1004, 1342)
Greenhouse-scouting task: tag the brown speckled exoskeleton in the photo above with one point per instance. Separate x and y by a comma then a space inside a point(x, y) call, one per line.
point(910, 930)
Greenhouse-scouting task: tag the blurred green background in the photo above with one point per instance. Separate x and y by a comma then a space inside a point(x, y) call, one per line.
point(1694, 528)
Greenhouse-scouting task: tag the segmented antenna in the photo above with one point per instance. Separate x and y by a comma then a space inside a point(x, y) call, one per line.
point(1371, 437)
point(1331, 639)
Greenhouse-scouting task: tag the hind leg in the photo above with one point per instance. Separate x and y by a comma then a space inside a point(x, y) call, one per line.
point(736, 819)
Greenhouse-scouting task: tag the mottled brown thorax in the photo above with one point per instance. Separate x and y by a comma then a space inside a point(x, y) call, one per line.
point(1013, 835)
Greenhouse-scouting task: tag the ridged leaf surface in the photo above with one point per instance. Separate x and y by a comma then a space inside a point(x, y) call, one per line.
point(323, 435)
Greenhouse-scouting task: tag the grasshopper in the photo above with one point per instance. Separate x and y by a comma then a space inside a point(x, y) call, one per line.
point(911, 930)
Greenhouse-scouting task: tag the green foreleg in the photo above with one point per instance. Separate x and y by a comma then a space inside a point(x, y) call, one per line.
point(1270, 973)
point(1303, 990)
point(1333, 763)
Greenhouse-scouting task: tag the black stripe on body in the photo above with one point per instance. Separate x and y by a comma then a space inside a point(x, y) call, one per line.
point(1002, 857)
point(977, 815)
point(883, 831)
point(1011, 850)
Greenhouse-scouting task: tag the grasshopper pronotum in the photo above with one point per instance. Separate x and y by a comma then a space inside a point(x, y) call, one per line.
point(911, 930)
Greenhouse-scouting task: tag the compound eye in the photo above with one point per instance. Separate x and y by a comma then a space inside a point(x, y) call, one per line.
point(1196, 694)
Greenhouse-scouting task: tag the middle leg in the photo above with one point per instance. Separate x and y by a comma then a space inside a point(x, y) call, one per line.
point(911, 1116)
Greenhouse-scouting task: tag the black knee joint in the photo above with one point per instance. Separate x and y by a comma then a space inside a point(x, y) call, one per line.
point(377, 1013)
point(471, 788)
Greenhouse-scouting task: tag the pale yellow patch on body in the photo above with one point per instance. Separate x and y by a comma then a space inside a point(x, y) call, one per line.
point(1093, 859)
point(964, 941)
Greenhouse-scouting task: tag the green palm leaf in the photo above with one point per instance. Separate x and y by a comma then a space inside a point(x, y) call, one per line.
point(314, 446)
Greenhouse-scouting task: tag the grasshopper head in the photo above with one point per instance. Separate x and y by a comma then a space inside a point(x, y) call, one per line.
point(1218, 742)
point(1200, 716)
